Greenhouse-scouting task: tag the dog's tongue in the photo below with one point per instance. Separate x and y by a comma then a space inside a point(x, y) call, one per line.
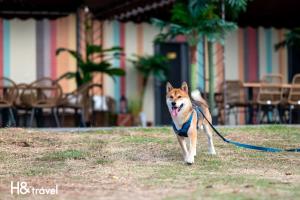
point(174, 112)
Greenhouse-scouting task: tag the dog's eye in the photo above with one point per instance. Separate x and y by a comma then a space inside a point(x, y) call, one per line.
point(179, 97)
point(171, 97)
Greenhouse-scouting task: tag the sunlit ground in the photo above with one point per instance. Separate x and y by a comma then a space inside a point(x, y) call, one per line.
point(147, 164)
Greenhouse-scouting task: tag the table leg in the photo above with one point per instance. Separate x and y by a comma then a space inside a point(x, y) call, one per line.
point(250, 108)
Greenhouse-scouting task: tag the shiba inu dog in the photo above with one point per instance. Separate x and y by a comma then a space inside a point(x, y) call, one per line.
point(187, 119)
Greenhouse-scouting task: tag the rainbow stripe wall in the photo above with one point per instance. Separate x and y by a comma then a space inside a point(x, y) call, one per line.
point(250, 54)
point(27, 52)
point(135, 39)
point(27, 49)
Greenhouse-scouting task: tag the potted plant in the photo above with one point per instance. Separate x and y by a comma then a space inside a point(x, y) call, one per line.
point(86, 67)
point(156, 65)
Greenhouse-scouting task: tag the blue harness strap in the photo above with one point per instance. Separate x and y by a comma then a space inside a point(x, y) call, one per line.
point(248, 146)
point(183, 132)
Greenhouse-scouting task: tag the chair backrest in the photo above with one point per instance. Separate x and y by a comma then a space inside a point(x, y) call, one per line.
point(234, 92)
point(44, 92)
point(270, 94)
point(81, 96)
point(8, 92)
point(272, 79)
point(294, 94)
point(23, 99)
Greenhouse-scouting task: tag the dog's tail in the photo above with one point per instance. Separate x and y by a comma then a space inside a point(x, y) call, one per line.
point(196, 96)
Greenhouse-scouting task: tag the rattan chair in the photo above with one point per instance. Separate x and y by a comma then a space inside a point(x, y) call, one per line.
point(268, 99)
point(235, 98)
point(79, 100)
point(8, 94)
point(22, 102)
point(44, 94)
point(294, 95)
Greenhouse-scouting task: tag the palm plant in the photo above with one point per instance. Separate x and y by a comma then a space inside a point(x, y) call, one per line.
point(196, 19)
point(155, 65)
point(87, 66)
point(292, 38)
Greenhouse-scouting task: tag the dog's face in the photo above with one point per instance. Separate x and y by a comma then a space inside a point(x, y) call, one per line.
point(177, 98)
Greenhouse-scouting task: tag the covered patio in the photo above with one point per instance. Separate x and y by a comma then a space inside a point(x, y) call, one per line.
point(248, 58)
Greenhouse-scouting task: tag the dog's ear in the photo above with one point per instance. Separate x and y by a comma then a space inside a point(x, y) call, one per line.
point(184, 87)
point(169, 87)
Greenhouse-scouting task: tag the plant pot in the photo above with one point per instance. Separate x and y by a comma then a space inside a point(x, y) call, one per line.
point(143, 119)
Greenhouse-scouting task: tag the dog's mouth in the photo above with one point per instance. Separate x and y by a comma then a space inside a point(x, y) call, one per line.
point(175, 110)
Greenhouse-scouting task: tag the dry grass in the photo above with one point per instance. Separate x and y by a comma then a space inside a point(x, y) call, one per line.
point(146, 164)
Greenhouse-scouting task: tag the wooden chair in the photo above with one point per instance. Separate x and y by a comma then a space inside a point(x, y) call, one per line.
point(8, 94)
point(44, 94)
point(294, 95)
point(235, 98)
point(79, 100)
point(268, 99)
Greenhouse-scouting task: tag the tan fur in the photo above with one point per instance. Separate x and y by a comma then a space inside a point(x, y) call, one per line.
point(188, 145)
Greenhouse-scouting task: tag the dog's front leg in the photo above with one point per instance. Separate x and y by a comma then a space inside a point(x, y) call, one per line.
point(192, 146)
point(183, 146)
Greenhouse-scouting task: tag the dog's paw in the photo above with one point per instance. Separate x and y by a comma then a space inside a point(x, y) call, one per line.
point(189, 160)
point(212, 152)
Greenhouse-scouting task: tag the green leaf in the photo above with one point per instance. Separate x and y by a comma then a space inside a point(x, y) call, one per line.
point(292, 38)
point(90, 67)
point(86, 78)
point(67, 75)
point(91, 49)
point(198, 18)
point(73, 53)
point(113, 49)
point(115, 72)
point(156, 64)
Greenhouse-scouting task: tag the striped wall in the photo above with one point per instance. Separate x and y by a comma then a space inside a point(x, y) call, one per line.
point(27, 49)
point(27, 52)
point(135, 39)
point(250, 54)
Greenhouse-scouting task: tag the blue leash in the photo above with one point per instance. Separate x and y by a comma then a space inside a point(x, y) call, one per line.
point(247, 146)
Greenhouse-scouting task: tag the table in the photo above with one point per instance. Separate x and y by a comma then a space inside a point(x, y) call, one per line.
point(251, 85)
point(258, 85)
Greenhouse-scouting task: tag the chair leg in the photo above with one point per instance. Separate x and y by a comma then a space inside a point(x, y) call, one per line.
point(56, 117)
point(63, 116)
point(226, 116)
point(236, 115)
point(274, 115)
point(82, 118)
point(280, 120)
point(12, 117)
point(77, 118)
point(268, 114)
point(25, 118)
point(291, 114)
point(258, 119)
point(31, 117)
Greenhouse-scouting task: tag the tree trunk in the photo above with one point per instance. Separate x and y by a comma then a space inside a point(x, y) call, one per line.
point(193, 51)
point(211, 76)
point(144, 85)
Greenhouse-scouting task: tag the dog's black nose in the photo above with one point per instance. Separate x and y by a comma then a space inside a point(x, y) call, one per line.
point(173, 103)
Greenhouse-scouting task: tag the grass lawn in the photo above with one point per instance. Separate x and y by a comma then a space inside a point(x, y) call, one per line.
point(146, 164)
